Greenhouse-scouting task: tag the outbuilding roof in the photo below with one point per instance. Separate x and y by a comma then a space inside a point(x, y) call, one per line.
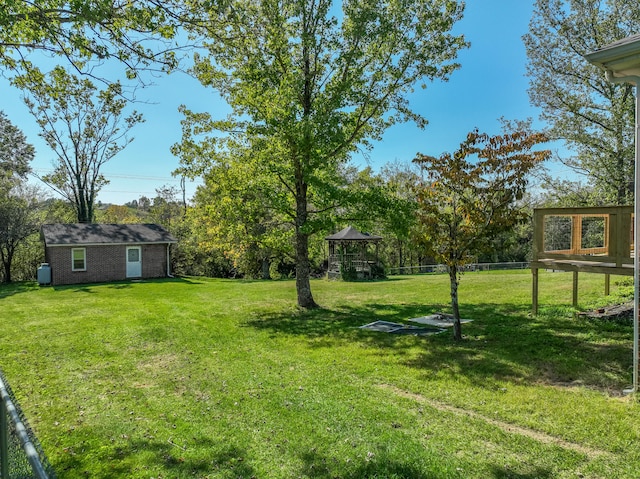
point(352, 234)
point(97, 234)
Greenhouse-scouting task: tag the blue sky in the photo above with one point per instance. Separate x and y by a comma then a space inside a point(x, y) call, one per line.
point(490, 84)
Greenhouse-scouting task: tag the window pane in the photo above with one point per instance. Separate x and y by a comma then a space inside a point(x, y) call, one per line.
point(78, 259)
point(133, 255)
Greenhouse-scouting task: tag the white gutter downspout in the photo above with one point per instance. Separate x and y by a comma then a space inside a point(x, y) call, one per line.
point(636, 234)
point(169, 275)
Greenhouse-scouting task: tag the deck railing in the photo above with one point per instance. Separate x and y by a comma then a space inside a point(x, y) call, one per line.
point(597, 238)
point(589, 240)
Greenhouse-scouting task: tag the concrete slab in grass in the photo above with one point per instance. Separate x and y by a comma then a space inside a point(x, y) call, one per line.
point(397, 328)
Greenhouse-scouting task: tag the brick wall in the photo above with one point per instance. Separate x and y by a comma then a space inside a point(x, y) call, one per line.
point(154, 261)
point(104, 263)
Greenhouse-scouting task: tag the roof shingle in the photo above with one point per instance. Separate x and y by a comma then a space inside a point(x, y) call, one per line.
point(84, 234)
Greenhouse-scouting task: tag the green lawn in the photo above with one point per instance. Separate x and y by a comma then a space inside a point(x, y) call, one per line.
point(204, 378)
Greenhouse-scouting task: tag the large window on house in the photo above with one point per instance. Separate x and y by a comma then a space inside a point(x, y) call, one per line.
point(78, 259)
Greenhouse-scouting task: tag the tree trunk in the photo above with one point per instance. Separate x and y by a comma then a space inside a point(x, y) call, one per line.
point(266, 274)
point(86, 211)
point(303, 271)
point(81, 205)
point(453, 279)
point(7, 260)
point(82, 211)
point(303, 265)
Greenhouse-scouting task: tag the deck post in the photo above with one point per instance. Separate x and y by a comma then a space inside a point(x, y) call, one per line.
point(534, 299)
point(636, 246)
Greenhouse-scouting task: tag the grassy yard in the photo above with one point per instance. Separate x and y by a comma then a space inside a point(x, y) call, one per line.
point(203, 378)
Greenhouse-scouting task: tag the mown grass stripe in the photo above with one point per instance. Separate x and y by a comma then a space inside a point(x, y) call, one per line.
point(504, 426)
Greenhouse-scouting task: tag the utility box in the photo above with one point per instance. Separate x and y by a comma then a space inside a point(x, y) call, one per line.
point(44, 274)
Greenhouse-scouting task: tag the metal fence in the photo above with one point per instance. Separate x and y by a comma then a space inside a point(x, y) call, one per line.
point(441, 268)
point(21, 456)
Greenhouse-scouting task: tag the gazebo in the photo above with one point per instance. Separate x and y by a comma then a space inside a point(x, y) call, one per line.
point(350, 255)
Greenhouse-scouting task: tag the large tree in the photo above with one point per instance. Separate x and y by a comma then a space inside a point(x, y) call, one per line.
point(17, 203)
point(166, 208)
point(84, 126)
point(308, 85)
point(400, 220)
point(593, 116)
point(15, 153)
point(233, 207)
point(19, 219)
point(471, 195)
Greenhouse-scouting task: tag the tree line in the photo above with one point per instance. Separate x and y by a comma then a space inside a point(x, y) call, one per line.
point(226, 231)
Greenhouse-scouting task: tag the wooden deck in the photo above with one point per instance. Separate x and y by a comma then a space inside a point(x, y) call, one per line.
point(587, 240)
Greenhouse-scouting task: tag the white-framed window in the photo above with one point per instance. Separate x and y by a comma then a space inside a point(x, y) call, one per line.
point(78, 259)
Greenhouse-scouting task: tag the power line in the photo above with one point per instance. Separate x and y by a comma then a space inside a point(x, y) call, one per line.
point(151, 178)
point(130, 192)
point(122, 176)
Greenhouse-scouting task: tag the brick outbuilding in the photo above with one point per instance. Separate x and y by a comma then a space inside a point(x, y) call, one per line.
point(94, 253)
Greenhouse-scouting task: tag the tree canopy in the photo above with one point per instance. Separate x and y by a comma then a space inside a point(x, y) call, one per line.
point(471, 195)
point(18, 220)
point(137, 34)
point(593, 116)
point(83, 126)
point(309, 85)
point(15, 152)
point(17, 202)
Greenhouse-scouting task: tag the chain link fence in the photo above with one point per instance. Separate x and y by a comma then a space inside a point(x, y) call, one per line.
point(21, 456)
point(441, 268)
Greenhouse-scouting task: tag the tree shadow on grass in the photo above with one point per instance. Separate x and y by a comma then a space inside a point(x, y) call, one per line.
point(174, 460)
point(388, 279)
point(125, 284)
point(10, 289)
point(503, 343)
point(504, 473)
point(319, 467)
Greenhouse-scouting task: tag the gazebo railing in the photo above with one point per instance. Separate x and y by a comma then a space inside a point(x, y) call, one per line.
point(355, 261)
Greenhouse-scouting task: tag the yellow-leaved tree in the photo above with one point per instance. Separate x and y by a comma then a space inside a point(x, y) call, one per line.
point(470, 196)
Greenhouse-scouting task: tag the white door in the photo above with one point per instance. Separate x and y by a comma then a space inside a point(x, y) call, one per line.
point(134, 262)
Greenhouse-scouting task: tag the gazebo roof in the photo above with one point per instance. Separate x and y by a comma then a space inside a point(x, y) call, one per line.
point(352, 234)
point(621, 57)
